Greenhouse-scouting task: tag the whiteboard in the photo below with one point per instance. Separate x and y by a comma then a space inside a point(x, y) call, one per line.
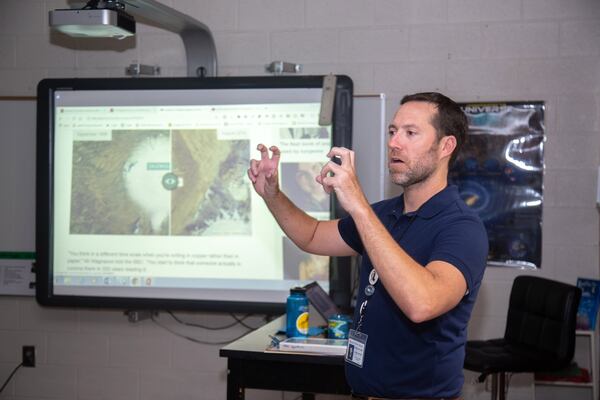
point(17, 174)
point(369, 144)
point(17, 199)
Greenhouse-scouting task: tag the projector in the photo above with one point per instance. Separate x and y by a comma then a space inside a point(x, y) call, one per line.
point(101, 22)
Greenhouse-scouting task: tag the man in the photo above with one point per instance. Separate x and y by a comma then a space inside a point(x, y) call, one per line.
point(424, 253)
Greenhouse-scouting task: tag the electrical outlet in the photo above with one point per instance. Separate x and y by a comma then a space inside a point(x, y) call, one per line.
point(29, 356)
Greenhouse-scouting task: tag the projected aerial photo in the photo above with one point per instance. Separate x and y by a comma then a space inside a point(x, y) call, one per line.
point(149, 182)
point(214, 194)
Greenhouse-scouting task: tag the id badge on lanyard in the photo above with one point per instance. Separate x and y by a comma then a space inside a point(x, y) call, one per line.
point(357, 341)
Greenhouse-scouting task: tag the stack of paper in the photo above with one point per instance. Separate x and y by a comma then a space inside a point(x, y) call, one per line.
point(315, 345)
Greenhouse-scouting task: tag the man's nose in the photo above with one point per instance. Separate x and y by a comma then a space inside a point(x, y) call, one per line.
point(395, 141)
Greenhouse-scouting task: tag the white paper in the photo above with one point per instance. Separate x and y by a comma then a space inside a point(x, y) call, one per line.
point(15, 278)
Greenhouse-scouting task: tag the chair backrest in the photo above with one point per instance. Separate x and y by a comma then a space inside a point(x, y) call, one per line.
point(542, 316)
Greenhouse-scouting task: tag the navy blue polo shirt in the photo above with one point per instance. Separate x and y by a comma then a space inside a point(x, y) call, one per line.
point(403, 358)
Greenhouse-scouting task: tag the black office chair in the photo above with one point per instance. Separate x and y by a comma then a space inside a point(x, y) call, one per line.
point(539, 335)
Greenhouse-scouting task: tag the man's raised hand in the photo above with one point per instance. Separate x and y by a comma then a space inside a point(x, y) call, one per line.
point(263, 172)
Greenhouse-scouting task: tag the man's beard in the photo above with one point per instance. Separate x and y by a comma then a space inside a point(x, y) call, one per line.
point(420, 172)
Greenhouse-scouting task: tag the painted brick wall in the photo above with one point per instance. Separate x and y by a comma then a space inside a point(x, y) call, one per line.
point(472, 50)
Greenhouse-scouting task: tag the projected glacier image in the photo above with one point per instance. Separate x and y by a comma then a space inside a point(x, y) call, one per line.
point(160, 182)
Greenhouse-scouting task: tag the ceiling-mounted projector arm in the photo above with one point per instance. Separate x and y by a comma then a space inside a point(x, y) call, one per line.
point(114, 18)
point(198, 41)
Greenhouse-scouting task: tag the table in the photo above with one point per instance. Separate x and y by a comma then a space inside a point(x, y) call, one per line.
point(250, 366)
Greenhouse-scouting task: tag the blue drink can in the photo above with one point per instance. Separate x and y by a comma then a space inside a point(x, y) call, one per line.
point(338, 326)
point(297, 313)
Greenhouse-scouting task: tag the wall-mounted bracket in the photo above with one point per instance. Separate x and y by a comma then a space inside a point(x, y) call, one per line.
point(280, 67)
point(136, 70)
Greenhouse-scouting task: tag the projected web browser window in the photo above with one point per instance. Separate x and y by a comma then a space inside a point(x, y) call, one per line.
point(152, 191)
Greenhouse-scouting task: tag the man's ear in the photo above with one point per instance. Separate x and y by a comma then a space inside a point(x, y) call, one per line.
point(448, 145)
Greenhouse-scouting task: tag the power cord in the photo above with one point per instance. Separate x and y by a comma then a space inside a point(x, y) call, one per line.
point(237, 320)
point(10, 377)
point(192, 339)
point(242, 323)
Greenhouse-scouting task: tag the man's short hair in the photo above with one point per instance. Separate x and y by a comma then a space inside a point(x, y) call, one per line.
point(450, 120)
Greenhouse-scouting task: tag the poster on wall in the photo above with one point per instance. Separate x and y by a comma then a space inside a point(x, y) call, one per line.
point(499, 173)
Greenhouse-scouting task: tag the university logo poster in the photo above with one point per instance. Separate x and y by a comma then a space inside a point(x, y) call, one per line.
point(499, 173)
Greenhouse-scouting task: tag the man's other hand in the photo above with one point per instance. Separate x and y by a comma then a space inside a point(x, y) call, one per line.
point(339, 176)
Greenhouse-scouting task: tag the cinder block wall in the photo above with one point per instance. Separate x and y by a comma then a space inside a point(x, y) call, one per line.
point(472, 50)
